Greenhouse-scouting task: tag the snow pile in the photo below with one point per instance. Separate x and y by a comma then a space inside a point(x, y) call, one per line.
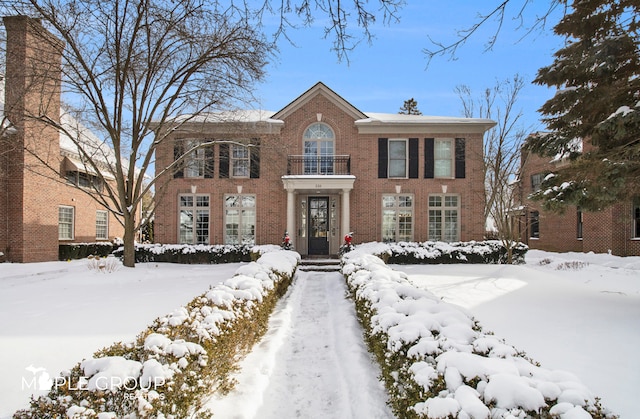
point(438, 363)
point(181, 358)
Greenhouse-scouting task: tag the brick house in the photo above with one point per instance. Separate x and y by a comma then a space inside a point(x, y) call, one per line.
point(40, 209)
point(615, 229)
point(318, 169)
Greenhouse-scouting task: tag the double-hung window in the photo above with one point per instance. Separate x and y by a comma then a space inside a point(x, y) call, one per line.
point(240, 219)
point(444, 218)
point(194, 162)
point(398, 156)
point(65, 222)
point(443, 158)
point(102, 225)
point(194, 219)
point(240, 161)
point(397, 218)
point(536, 181)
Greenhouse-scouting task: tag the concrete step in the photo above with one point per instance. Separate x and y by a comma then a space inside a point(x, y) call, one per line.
point(319, 265)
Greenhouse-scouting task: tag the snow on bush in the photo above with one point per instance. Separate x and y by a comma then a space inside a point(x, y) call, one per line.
point(437, 362)
point(181, 358)
point(488, 251)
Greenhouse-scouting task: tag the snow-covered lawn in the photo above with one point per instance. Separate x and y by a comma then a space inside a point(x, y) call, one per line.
point(582, 320)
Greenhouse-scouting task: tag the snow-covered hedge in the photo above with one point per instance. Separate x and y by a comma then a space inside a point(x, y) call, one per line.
point(437, 362)
point(68, 251)
point(181, 358)
point(191, 254)
point(488, 251)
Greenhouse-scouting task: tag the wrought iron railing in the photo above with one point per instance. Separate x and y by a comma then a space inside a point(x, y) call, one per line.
point(319, 165)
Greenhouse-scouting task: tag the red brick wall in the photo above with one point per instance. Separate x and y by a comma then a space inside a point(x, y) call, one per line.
point(605, 231)
point(365, 198)
point(31, 191)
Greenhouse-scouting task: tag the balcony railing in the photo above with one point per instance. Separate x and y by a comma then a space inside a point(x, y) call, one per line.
point(319, 165)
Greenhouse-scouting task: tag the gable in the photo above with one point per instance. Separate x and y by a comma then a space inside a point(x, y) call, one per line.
point(319, 89)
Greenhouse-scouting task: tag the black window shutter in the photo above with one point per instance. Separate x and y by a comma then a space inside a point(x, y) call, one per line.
point(254, 152)
point(178, 171)
point(383, 158)
point(429, 158)
point(413, 158)
point(224, 161)
point(460, 158)
point(208, 162)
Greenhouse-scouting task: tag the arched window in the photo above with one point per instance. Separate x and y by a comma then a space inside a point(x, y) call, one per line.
point(318, 145)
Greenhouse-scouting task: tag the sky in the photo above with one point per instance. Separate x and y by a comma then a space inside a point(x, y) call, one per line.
point(381, 76)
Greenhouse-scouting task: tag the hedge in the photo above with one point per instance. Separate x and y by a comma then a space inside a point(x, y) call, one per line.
point(191, 254)
point(429, 252)
point(437, 362)
point(180, 359)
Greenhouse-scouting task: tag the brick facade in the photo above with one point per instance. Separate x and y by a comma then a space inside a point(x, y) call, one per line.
point(30, 192)
point(610, 230)
point(356, 203)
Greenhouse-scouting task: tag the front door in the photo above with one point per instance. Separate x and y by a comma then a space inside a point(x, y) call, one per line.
point(318, 225)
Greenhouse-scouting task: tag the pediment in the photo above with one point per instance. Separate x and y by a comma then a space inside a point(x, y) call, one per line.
point(319, 89)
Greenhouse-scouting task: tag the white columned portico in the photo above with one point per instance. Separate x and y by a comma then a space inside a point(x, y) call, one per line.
point(291, 213)
point(344, 217)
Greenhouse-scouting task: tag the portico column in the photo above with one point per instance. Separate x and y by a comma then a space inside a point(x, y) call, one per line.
point(291, 213)
point(344, 217)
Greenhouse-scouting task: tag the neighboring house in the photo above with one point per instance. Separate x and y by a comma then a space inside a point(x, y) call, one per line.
point(614, 230)
point(319, 169)
point(40, 209)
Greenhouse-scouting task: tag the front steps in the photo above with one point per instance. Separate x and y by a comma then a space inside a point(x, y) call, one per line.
point(325, 264)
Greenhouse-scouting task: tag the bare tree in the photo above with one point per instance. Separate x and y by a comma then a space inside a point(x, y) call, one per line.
point(495, 19)
point(126, 64)
point(501, 152)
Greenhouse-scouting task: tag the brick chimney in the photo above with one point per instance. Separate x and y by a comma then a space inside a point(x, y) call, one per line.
point(28, 208)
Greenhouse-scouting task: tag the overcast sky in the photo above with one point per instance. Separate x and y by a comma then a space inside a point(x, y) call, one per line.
point(381, 76)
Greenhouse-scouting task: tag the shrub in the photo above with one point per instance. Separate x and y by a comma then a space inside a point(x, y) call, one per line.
point(178, 360)
point(412, 253)
point(191, 254)
point(70, 251)
point(436, 360)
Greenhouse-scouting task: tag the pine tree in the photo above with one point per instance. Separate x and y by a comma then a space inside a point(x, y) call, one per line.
point(597, 106)
point(410, 107)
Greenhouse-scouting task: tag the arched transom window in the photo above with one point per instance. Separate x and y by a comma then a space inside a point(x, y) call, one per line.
point(318, 145)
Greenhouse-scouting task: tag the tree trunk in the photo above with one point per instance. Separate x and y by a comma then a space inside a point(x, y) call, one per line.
point(129, 256)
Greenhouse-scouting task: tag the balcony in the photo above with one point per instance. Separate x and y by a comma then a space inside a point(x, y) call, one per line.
point(319, 165)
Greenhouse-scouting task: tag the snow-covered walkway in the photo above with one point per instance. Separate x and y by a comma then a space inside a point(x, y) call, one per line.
point(312, 362)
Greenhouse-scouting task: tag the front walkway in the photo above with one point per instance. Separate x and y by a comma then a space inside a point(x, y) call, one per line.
point(312, 363)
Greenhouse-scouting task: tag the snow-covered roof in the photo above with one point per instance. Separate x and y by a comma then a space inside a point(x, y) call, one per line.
point(235, 116)
point(396, 118)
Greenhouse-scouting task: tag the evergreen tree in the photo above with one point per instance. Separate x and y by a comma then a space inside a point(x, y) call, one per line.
point(410, 107)
point(594, 118)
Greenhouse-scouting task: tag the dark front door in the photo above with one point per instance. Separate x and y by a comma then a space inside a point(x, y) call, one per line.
point(318, 225)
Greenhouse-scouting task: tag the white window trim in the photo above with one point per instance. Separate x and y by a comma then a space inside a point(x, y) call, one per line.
point(240, 221)
point(194, 157)
point(397, 208)
point(451, 159)
point(443, 208)
point(194, 208)
point(233, 161)
point(73, 222)
point(406, 158)
point(106, 225)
